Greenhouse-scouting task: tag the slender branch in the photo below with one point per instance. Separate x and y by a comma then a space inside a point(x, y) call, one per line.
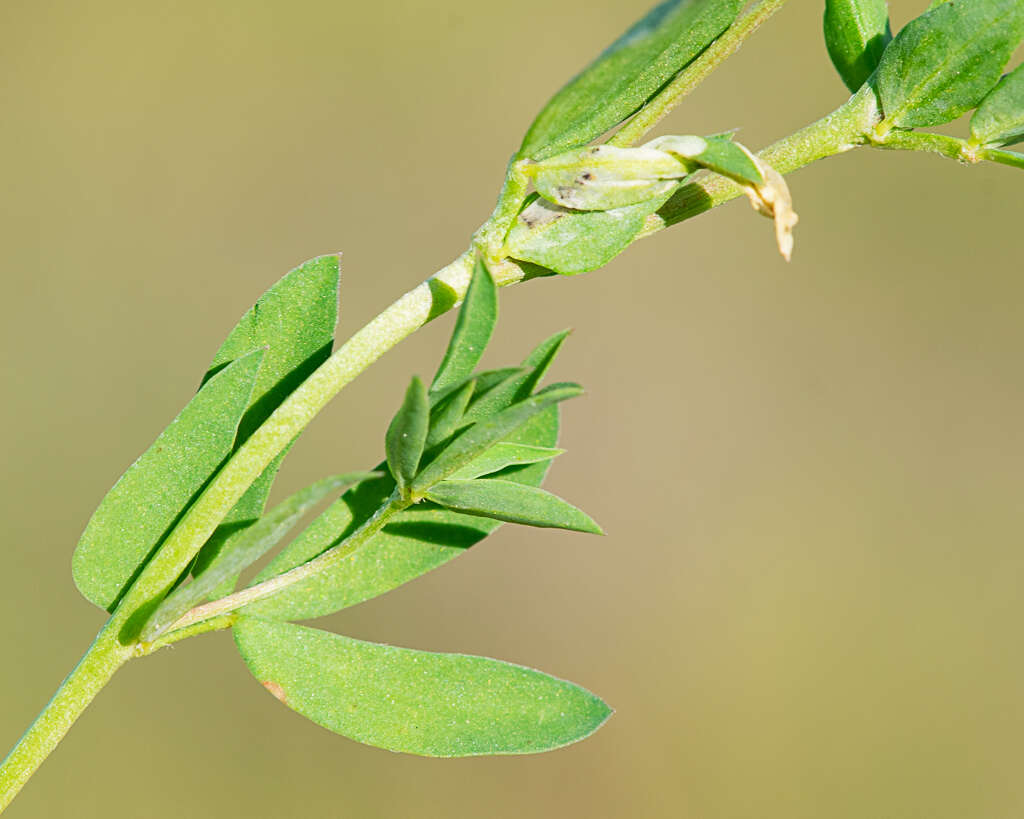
point(695, 73)
point(947, 146)
point(323, 563)
point(950, 147)
point(490, 238)
point(93, 671)
point(172, 637)
point(1013, 159)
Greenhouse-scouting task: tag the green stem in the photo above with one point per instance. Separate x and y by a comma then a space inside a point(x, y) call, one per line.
point(950, 147)
point(324, 563)
point(1011, 158)
point(490, 238)
point(93, 671)
point(947, 146)
point(695, 73)
point(175, 635)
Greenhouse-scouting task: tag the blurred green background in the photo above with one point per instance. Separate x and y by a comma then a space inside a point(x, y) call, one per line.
point(808, 603)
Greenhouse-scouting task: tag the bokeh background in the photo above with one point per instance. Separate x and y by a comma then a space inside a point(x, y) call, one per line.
point(809, 600)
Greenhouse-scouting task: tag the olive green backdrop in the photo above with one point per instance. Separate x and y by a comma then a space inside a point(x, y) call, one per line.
point(809, 600)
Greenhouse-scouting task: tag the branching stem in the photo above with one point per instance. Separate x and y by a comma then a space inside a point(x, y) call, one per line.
point(323, 563)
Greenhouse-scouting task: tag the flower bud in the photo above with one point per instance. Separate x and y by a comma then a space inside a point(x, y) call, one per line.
point(604, 177)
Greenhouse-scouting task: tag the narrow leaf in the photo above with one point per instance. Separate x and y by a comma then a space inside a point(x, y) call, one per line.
point(446, 417)
point(944, 63)
point(254, 543)
point(143, 505)
point(999, 119)
point(417, 702)
point(627, 74)
point(523, 383)
point(503, 455)
point(425, 538)
point(571, 242)
point(856, 34)
point(512, 503)
point(485, 379)
point(484, 434)
point(473, 328)
point(294, 323)
point(407, 434)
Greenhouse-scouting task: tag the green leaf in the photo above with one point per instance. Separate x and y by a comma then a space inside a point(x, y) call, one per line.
point(627, 74)
point(425, 538)
point(573, 242)
point(294, 323)
point(255, 542)
point(503, 455)
point(512, 503)
point(446, 417)
point(487, 432)
point(716, 153)
point(999, 119)
point(473, 328)
point(417, 702)
point(856, 34)
point(485, 379)
point(944, 63)
point(407, 434)
point(147, 500)
point(521, 382)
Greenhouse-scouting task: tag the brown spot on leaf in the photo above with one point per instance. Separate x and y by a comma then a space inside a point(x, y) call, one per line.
point(275, 689)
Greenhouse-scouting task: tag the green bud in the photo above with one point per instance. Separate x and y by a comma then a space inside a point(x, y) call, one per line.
point(605, 177)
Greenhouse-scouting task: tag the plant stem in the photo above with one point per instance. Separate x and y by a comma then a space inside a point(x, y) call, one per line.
point(93, 671)
point(1012, 158)
point(175, 635)
point(695, 73)
point(490, 238)
point(950, 147)
point(947, 146)
point(323, 563)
